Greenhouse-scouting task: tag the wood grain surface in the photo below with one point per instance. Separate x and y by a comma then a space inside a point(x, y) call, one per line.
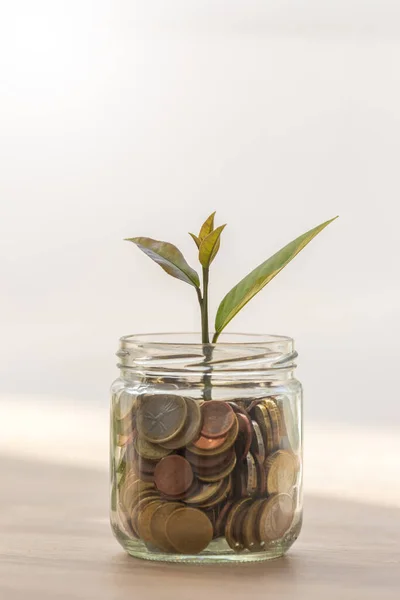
point(56, 544)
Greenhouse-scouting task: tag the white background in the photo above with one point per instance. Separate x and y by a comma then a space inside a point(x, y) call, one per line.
point(126, 118)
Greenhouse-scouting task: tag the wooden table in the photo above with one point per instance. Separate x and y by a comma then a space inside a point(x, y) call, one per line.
point(56, 544)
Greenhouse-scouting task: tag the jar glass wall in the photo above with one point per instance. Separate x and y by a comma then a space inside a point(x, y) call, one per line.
point(206, 448)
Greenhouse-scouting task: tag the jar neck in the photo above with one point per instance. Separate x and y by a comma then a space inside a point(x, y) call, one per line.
point(170, 358)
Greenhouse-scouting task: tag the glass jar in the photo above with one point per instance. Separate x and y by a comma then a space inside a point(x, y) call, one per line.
point(206, 448)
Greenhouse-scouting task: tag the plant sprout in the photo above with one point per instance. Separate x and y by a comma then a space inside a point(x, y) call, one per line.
point(208, 243)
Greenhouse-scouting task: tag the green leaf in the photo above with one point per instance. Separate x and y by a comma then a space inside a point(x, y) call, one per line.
point(169, 258)
point(196, 239)
point(210, 246)
point(254, 282)
point(207, 227)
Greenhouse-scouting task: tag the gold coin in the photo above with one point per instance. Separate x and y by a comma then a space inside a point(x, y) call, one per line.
point(252, 477)
point(205, 493)
point(226, 471)
point(228, 443)
point(250, 527)
point(161, 417)
point(290, 439)
point(124, 521)
point(232, 531)
point(135, 492)
point(276, 517)
point(257, 444)
point(191, 428)
point(158, 522)
point(150, 451)
point(261, 416)
point(189, 530)
point(144, 521)
point(136, 498)
point(275, 419)
point(281, 471)
point(131, 487)
point(139, 507)
point(222, 493)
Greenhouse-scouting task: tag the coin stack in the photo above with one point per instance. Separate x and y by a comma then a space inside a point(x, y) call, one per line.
point(197, 470)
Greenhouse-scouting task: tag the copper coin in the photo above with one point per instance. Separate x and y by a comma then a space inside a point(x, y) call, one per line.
point(221, 519)
point(158, 522)
point(211, 513)
point(237, 408)
point(213, 466)
point(207, 443)
point(238, 525)
point(276, 517)
point(240, 481)
point(161, 418)
point(173, 475)
point(191, 428)
point(245, 436)
point(189, 530)
point(228, 443)
point(208, 461)
point(216, 476)
point(194, 488)
point(218, 418)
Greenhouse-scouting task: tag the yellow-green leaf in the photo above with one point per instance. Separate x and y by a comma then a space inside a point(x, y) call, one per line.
point(210, 246)
point(196, 239)
point(246, 289)
point(207, 227)
point(169, 258)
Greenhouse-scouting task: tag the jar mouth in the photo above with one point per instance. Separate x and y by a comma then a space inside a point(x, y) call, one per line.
point(182, 352)
point(192, 339)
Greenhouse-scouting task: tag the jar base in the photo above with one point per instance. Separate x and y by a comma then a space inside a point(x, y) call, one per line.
point(218, 552)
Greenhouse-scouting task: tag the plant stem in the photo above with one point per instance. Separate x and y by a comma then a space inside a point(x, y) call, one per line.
point(200, 299)
point(215, 338)
point(205, 335)
point(204, 313)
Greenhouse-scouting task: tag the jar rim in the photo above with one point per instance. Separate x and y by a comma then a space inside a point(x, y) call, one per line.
point(180, 353)
point(178, 338)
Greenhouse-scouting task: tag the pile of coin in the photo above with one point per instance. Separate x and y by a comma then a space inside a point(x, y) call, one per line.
point(197, 470)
